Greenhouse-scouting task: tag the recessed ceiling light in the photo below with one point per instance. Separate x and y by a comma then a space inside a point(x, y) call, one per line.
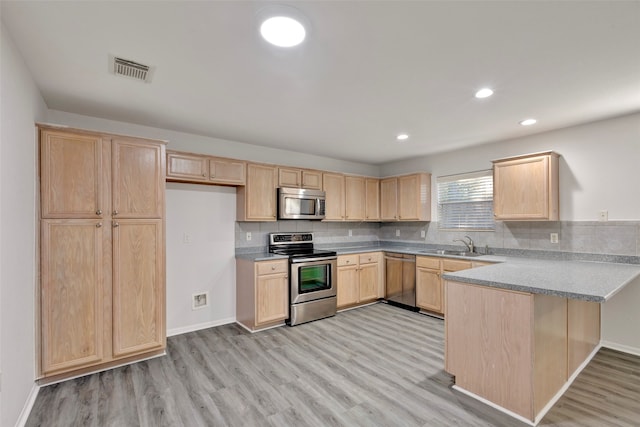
point(283, 31)
point(484, 93)
point(528, 122)
point(402, 137)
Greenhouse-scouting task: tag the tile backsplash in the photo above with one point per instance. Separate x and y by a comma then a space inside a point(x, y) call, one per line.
point(594, 237)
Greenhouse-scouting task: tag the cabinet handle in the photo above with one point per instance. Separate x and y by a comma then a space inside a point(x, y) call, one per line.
point(348, 261)
point(98, 225)
point(99, 212)
point(115, 212)
point(273, 267)
point(204, 174)
point(115, 224)
point(213, 175)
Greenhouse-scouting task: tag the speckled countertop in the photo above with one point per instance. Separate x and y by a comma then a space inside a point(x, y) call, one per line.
point(570, 278)
point(590, 281)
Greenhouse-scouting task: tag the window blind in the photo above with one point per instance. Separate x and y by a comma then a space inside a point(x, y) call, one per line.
point(466, 201)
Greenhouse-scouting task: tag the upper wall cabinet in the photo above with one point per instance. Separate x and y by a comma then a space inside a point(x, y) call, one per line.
point(256, 201)
point(333, 185)
point(187, 167)
point(526, 188)
point(299, 178)
point(406, 198)
point(73, 174)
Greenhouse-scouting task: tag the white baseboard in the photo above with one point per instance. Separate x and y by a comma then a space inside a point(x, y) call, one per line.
point(200, 326)
point(619, 347)
point(28, 405)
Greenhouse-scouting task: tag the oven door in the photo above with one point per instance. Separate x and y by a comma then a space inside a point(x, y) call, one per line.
point(312, 278)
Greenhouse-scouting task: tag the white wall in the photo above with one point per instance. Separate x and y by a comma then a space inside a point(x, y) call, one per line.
point(206, 263)
point(620, 319)
point(598, 167)
point(213, 146)
point(21, 106)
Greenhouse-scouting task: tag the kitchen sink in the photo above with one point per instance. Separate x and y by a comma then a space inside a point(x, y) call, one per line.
point(450, 252)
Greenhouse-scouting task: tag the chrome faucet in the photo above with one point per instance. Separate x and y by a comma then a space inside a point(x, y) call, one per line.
point(470, 246)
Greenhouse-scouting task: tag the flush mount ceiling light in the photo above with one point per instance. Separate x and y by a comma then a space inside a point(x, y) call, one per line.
point(528, 122)
point(402, 137)
point(484, 93)
point(282, 26)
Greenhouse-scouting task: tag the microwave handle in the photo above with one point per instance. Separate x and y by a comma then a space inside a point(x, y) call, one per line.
point(320, 207)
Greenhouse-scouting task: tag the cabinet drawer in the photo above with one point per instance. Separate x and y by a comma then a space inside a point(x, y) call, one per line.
point(347, 260)
point(428, 262)
point(272, 267)
point(369, 258)
point(455, 265)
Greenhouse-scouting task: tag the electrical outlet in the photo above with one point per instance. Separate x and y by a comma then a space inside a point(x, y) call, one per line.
point(554, 237)
point(186, 238)
point(200, 300)
point(397, 232)
point(350, 233)
point(603, 216)
point(423, 233)
point(248, 236)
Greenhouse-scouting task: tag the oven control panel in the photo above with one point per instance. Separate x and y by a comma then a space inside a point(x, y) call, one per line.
point(290, 237)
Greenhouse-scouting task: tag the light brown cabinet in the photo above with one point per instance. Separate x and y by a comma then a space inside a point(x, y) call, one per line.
point(406, 198)
point(187, 167)
point(351, 198)
point(299, 178)
point(256, 201)
point(516, 349)
point(102, 255)
point(262, 293)
point(372, 199)
point(355, 193)
point(429, 282)
point(429, 293)
point(526, 187)
point(333, 184)
point(359, 279)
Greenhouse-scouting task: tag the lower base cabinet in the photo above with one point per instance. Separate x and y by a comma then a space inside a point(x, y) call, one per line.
point(429, 283)
point(262, 293)
point(359, 279)
point(516, 349)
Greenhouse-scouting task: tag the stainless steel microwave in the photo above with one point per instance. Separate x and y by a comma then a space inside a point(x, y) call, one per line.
point(298, 203)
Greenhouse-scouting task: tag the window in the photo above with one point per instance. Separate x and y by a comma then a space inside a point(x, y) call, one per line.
point(465, 202)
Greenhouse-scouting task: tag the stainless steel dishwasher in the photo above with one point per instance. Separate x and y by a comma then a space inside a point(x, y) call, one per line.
point(401, 279)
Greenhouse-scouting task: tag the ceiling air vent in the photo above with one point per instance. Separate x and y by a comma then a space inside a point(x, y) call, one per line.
point(124, 67)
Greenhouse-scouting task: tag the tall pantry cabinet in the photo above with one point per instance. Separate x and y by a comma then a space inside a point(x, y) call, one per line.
point(102, 252)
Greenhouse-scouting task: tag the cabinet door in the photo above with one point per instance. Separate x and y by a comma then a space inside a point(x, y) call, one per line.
point(354, 198)
point(224, 171)
point(272, 298)
point(260, 193)
point(389, 199)
point(333, 186)
point(138, 179)
point(372, 199)
point(348, 292)
point(369, 279)
point(289, 177)
point(187, 167)
point(138, 286)
point(429, 290)
point(72, 294)
point(526, 188)
point(71, 175)
point(312, 180)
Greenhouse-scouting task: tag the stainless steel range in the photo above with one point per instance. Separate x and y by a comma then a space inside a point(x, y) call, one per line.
point(312, 276)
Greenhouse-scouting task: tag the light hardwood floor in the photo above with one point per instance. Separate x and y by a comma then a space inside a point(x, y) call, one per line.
point(373, 366)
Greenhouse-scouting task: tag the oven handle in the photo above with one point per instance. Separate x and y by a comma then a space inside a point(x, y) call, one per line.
point(313, 260)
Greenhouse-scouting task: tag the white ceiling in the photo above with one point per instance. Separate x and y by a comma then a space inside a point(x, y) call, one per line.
point(367, 71)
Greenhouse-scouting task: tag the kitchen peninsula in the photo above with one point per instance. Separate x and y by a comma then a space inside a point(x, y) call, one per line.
point(518, 333)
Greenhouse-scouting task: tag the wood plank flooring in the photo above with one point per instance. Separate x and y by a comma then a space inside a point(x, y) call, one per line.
point(373, 366)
